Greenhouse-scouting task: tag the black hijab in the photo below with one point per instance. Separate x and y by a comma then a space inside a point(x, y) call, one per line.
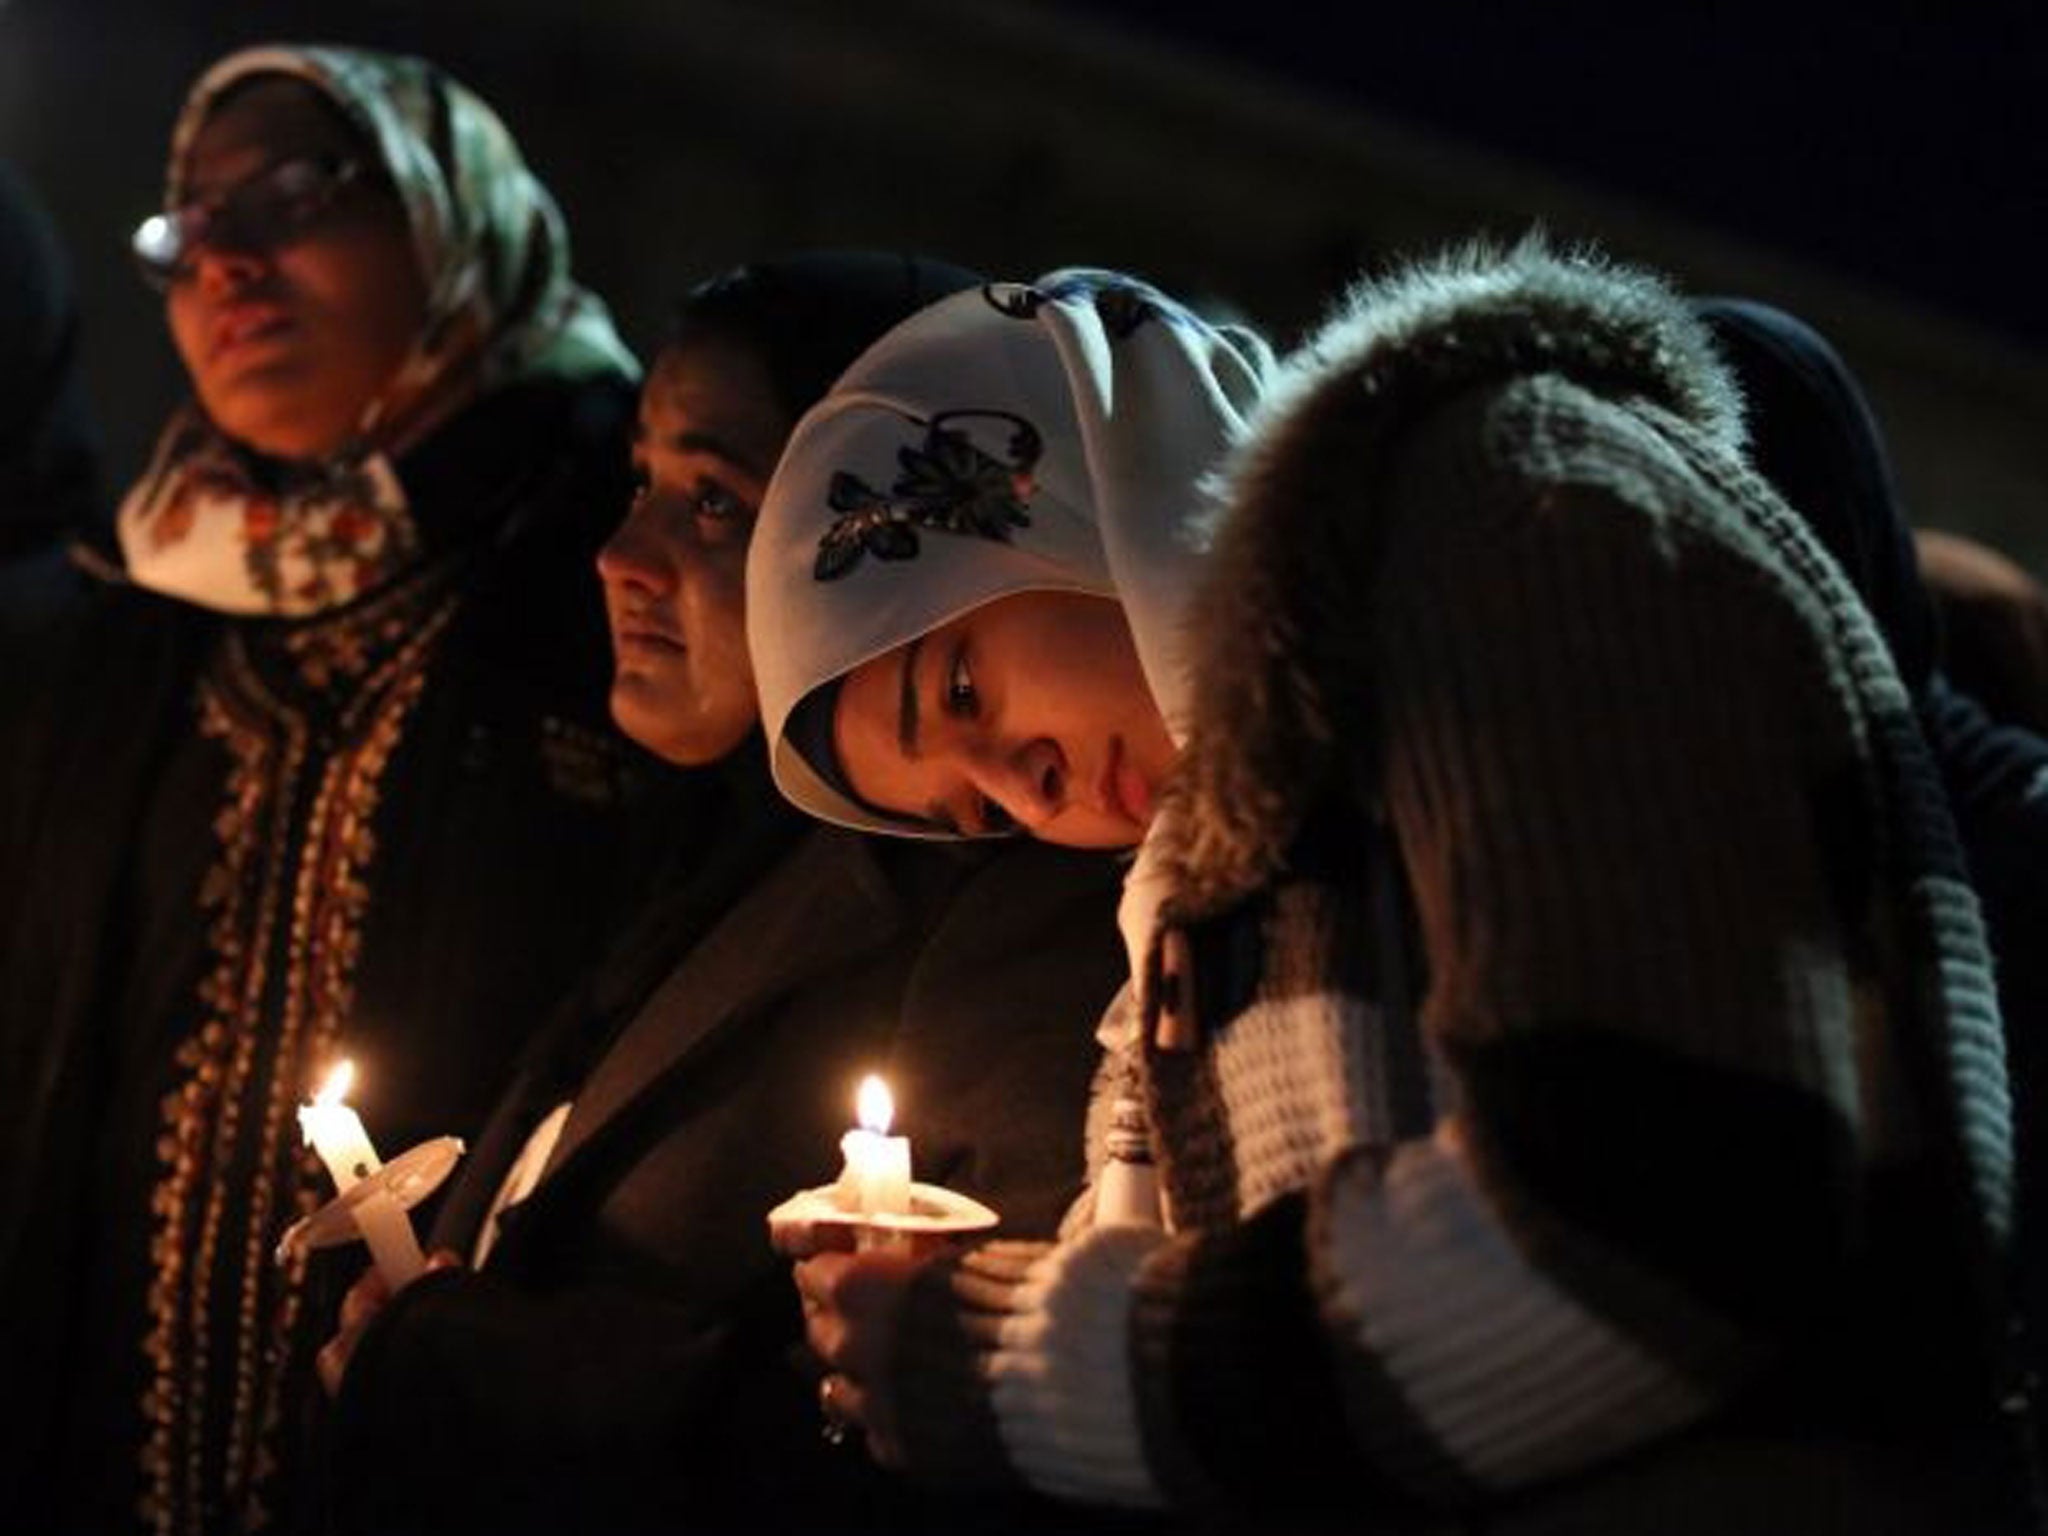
point(807, 317)
point(1813, 436)
point(810, 315)
point(1815, 439)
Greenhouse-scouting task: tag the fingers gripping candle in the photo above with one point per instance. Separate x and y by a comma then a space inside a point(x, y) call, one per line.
point(337, 1135)
point(876, 1178)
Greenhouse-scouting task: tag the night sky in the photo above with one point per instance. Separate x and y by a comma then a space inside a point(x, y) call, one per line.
point(1904, 145)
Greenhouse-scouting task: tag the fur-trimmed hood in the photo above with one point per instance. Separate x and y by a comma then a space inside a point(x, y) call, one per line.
point(1292, 565)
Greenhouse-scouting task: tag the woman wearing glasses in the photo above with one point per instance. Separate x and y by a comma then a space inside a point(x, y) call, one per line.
point(323, 768)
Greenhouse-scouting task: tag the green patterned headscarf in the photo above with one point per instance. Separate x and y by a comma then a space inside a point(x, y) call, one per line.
point(206, 525)
point(490, 240)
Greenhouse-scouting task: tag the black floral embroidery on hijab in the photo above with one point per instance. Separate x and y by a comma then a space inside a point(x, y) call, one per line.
point(946, 484)
point(1020, 301)
point(1123, 307)
point(1123, 310)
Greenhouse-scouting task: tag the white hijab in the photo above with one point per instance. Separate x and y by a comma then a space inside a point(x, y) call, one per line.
point(1053, 436)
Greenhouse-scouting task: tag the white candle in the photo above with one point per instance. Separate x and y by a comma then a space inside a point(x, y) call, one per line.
point(336, 1131)
point(337, 1134)
point(388, 1231)
point(876, 1178)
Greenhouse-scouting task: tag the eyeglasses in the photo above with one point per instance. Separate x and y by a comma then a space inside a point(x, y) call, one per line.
point(259, 213)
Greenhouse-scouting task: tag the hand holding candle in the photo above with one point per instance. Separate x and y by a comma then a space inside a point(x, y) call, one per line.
point(336, 1133)
point(850, 1297)
point(873, 1202)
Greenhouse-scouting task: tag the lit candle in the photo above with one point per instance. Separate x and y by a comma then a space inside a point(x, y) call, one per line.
point(337, 1134)
point(876, 1178)
point(336, 1131)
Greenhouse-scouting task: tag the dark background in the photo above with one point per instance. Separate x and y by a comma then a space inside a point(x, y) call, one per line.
point(1881, 172)
point(1902, 144)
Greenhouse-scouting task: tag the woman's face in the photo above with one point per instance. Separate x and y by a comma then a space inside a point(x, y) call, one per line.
point(1031, 710)
point(674, 574)
point(288, 345)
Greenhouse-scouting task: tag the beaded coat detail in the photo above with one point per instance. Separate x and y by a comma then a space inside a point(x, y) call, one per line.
point(286, 899)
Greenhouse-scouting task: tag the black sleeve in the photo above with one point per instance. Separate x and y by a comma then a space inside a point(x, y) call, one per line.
point(475, 1405)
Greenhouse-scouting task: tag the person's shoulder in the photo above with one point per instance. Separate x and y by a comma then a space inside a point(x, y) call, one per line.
point(1024, 927)
point(56, 603)
point(1014, 876)
point(586, 421)
point(529, 425)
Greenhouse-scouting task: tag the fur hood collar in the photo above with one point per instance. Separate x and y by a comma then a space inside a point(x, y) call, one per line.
point(1475, 314)
point(1279, 602)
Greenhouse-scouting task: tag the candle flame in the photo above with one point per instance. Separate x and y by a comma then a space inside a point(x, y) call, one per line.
point(335, 1089)
point(875, 1105)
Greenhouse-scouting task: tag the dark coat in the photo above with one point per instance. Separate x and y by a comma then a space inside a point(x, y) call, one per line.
point(626, 1359)
point(487, 873)
point(1817, 441)
point(1589, 1204)
point(49, 449)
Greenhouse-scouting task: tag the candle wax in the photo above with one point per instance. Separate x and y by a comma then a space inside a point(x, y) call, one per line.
point(337, 1134)
point(388, 1230)
point(876, 1178)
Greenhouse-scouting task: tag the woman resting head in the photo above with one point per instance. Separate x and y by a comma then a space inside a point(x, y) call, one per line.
point(351, 251)
point(749, 353)
point(974, 558)
point(1545, 804)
